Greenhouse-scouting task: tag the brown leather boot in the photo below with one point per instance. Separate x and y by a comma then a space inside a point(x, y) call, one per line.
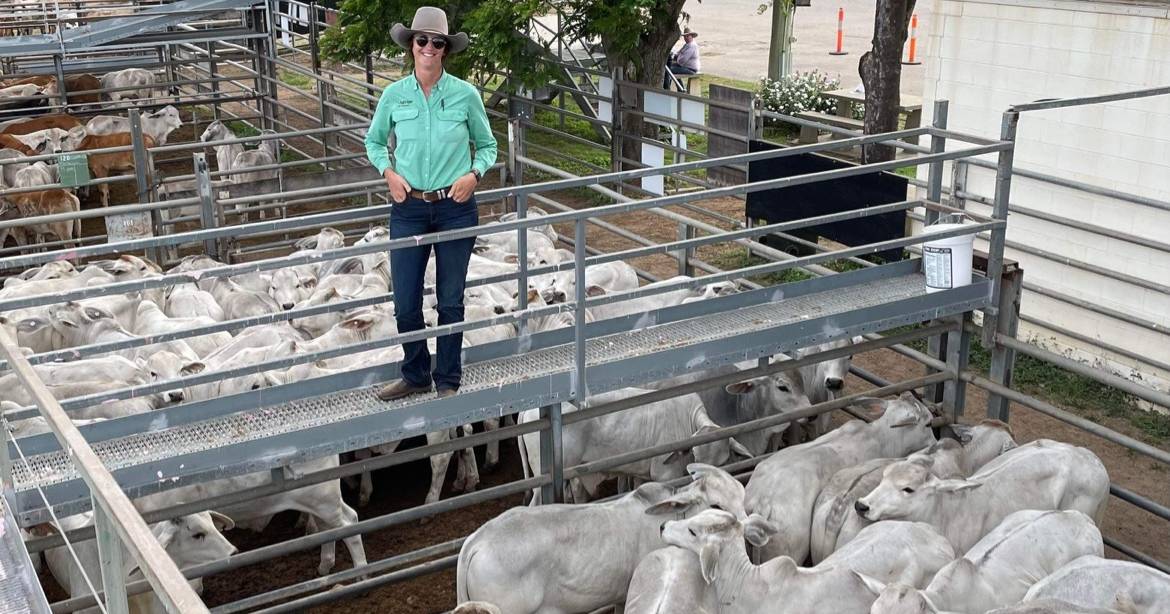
point(400, 389)
point(447, 392)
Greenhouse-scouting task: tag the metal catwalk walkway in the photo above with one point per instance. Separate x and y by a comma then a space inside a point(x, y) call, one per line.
point(621, 352)
point(111, 30)
point(20, 591)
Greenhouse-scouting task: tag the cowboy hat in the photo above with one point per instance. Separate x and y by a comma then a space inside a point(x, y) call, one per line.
point(432, 21)
point(689, 32)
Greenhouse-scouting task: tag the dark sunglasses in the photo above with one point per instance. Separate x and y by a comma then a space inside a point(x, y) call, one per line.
point(437, 42)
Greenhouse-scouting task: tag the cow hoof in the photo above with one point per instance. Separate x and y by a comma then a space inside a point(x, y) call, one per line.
point(425, 520)
point(363, 501)
point(324, 568)
point(490, 466)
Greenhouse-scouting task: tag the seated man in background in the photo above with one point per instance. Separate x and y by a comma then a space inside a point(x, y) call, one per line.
point(685, 61)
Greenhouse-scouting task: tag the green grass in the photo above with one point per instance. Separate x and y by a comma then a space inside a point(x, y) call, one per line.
point(295, 79)
point(242, 129)
point(736, 257)
point(1080, 395)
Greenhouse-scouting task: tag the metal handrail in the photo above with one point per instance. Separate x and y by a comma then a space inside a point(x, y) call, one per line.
point(168, 583)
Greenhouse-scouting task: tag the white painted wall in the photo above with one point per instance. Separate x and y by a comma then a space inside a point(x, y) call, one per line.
point(984, 55)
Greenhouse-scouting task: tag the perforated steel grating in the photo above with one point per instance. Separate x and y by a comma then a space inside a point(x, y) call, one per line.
point(20, 592)
point(46, 469)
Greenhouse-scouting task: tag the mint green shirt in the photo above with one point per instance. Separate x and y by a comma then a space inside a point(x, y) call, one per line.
point(432, 135)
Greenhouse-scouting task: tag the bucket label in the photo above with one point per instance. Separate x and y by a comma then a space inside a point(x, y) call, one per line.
point(936, 261)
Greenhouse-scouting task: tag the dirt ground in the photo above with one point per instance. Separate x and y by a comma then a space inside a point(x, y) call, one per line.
point(405, 486)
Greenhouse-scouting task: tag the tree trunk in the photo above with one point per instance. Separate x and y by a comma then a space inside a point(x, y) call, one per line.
point(648, 68)
point(881, 73)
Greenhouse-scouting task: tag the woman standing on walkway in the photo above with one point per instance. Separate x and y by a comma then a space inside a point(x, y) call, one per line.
point(432, 177)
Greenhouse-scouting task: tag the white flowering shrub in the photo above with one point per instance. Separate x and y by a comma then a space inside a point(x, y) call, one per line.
point(799, 91)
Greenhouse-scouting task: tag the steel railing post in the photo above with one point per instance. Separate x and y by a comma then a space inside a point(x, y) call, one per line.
point(936, 346)
point(213, 70)
point(59, 70)
point(552, 459)
point(370, 104)
point(522, 262)
point(938, 144)
point(580, 388)
point(958, 348)
point(324, 92)
point(959, 172)
point(208, 216)
point(685, 255)
point(1003, 188)
point(1003, 358)
point(140, 225)
point(112, 569)
point(616, 122)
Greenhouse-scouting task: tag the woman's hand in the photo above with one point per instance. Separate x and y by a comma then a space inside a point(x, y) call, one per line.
point(399, 189)
point(463, 188)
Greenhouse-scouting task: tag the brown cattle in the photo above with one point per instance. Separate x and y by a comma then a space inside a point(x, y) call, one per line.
point(113, 163)
point(41, 80)
point(63, 121)
point(7, 141)
point(88, 84)
point(46, 202)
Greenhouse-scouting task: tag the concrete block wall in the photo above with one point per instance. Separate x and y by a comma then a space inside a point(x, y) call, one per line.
point(984, 55)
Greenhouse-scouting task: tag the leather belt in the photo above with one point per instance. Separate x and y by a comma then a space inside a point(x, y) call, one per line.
point(431, 196)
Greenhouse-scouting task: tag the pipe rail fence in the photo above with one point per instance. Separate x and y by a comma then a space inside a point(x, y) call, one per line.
point(264, 72)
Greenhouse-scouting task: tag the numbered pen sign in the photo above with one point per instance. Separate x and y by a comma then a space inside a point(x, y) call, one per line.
point(73, 169)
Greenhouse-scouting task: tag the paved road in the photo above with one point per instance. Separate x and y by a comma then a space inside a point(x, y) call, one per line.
point(733, 38)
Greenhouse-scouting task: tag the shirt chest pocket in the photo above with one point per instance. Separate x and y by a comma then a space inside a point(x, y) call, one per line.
point(407, 125)
point(451, 125)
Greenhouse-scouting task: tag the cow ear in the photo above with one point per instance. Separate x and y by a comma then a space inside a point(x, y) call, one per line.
point(708, 559)
point(678, 503)
point(512, 259)
point(739, 448)
point(167, 531)
point(757, 530)
point(66, 322)
point(743, 387)
point(309, 283)
point(352, 265)
point(192, 368)
point(871, 404)
point(874, 585)
point(222, 522)
point(594, 291)
point(955, 485)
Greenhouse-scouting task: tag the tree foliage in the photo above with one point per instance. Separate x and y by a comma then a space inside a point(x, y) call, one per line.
point(634, 34)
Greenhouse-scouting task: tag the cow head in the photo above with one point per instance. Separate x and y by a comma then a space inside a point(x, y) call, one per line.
point(895, 598)
point(909, 491)
point(216, 131)
point(708, 532)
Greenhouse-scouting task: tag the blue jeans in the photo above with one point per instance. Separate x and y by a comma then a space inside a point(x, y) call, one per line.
point(407, 269)
point(678, 71)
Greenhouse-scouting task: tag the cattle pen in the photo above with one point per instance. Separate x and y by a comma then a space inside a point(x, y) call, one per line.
point(257, 68)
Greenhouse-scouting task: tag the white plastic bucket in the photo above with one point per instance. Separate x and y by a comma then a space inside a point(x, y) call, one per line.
point(947, 262)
